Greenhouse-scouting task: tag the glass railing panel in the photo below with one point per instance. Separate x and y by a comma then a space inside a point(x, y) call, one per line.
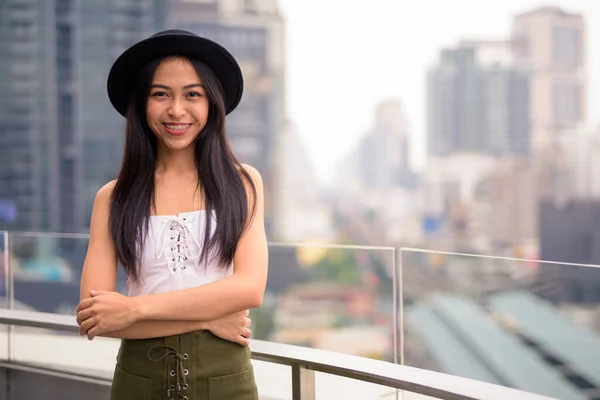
point(46, 270)
point(330, 298)
point(530, 325)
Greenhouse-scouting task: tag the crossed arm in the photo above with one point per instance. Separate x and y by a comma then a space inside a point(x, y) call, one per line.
point(220, 306)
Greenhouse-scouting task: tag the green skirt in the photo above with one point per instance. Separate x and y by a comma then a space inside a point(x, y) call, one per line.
point(192, 366)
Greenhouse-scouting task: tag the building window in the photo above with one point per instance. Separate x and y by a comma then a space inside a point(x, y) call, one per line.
point(567, 47)
point(567, 103)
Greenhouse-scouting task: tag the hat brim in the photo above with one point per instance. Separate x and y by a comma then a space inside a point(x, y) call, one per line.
point(123, 72)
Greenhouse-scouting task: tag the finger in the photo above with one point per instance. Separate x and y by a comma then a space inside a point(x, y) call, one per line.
point(246, 313)
point(248, 322)
point(83, 315)
point(83, 329)
point(246, 333)
point(92, 333)
point(85, 303)
point(80, 317)
point(88, 324)
point(243, 341)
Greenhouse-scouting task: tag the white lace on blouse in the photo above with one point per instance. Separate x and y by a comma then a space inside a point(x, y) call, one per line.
point(170, 259)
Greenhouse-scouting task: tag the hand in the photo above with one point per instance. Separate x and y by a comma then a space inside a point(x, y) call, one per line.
point(105, 312)
point(233, 327)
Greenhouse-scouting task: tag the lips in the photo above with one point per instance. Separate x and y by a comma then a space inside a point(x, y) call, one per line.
point(177, 129)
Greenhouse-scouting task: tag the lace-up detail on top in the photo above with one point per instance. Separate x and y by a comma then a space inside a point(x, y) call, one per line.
point(177, 243)
point(170, 259)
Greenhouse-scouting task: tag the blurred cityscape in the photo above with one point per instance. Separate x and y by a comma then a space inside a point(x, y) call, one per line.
point(436, 268)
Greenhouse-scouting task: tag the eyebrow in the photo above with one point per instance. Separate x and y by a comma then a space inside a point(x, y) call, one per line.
point(158, 85)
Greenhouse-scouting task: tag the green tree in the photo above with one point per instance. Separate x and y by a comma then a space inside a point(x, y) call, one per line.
point(337, 265)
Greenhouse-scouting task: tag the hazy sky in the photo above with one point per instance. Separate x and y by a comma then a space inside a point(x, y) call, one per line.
point(345, 56)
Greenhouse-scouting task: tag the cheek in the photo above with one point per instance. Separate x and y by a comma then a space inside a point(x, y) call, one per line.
point(152, 115)
point(201, 112)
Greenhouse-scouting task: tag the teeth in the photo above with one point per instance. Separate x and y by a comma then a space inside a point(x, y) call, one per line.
point(177, 127)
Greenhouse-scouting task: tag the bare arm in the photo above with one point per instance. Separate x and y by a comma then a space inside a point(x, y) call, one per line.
point(234, 328)
point(100, 273)
point(153, 329)
point(100, 265)
point(243, 290)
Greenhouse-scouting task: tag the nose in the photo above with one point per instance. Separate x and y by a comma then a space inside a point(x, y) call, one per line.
point(176, 108)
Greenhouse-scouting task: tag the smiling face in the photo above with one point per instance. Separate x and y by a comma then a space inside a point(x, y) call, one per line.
point(177, 107)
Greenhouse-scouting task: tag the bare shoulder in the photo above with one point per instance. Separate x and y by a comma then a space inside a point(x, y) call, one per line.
point(253, 172)
point(103, 195)
point(256, 195)
point(105, 191)
point(254, 175)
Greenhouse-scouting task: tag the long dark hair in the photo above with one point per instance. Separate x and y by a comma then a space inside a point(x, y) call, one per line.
point(220, 178)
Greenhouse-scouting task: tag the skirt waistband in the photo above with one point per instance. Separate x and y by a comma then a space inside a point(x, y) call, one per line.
point(181, 361)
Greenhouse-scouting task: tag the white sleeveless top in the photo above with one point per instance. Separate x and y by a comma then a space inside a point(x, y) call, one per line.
point(170, 259)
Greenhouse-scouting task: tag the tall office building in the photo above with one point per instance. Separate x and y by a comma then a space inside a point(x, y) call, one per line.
point(252, 31)
point(551, 43)
point(30, 179)
point(105, 30)
point(478, 101)
point(60, 139)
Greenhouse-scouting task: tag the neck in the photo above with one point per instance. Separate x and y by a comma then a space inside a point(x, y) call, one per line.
point(176, 161)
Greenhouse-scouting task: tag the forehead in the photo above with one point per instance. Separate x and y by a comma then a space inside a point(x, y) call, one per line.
point(176, 70)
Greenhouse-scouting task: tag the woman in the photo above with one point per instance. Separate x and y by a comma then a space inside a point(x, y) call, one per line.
point(185, 220)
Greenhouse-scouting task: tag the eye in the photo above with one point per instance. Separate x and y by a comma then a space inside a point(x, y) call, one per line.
point(195, 94)
point(158, 94)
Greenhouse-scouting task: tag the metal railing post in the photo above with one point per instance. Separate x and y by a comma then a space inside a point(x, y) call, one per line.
point(303, 383)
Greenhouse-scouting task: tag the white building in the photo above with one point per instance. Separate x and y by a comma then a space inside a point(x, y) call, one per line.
point(551, 43)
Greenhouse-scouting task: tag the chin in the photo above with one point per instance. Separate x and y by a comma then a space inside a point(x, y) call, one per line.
point(179, 145)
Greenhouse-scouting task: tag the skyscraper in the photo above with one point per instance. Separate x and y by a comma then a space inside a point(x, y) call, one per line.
point(30, 145)
point(551, 42)
point(252, 31)
point(60, 139)
point(478, 101)
point(105, 30)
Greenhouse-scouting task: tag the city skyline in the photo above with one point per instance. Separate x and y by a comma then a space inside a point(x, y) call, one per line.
point(64, 140)
point(320, 94)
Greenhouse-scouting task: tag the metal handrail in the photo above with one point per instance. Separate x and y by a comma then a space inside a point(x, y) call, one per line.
point(305, 362)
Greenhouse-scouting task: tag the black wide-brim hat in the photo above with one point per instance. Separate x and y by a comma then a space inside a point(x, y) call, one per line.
point(174, 42)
